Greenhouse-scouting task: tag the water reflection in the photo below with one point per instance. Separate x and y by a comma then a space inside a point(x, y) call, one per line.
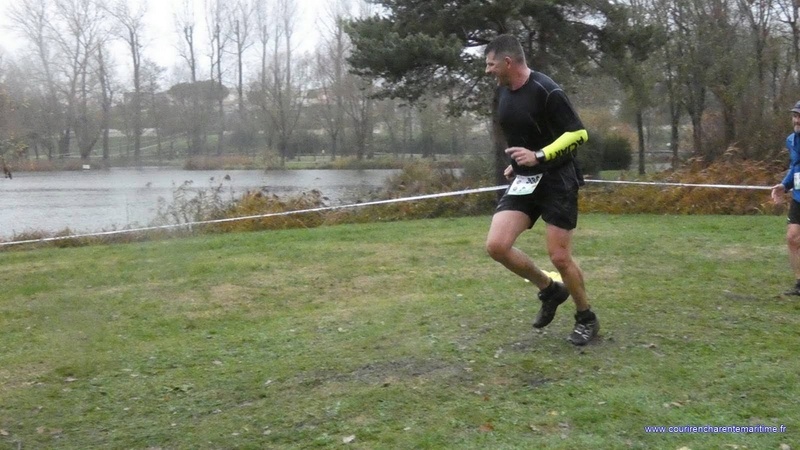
point(97, 200)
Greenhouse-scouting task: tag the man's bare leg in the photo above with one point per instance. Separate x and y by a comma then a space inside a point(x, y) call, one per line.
point(559, 247)
point(506, 227)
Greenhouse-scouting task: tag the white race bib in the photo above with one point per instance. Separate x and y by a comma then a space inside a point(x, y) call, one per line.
point(524, 185)
point(797, 180)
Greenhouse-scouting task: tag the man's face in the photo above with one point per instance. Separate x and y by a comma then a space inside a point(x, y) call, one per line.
point(796, 121)
point(499, 68)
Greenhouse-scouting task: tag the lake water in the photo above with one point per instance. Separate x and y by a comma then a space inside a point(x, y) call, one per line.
point(96, 200)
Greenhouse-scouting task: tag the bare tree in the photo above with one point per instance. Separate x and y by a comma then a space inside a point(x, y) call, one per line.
point(76, 33)
point(358, 107)
point(132, 27)
point(186, 27)
point(627, 49)
point(789, 14)
point(281, 94)
point(107, 97)
point(331, 69)
point(669, 72)
point(241, 25)
point(32, 19)
point(730, 47)
point(387, 114)
point(258, 92)
point(693, 59)
point(217, 26)
point(12, 131)
point(151, 76)
point(759, 18)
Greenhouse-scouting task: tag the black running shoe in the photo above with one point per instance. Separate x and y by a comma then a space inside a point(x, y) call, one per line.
point(586, 328)
point(551, 297)
point(793, 291)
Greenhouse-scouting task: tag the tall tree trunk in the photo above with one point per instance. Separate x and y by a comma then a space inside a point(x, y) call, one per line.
point(105, 88)
point(640, 133)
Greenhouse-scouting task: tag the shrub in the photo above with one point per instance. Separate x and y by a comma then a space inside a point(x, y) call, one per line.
point(415, 179)
point(590, 155)
point(478, 171)
point(244, 138)
point(229, 162)
point(730, 169)
point(605, 152)
point(192, 205)
point(616, 153)
point(263, 203)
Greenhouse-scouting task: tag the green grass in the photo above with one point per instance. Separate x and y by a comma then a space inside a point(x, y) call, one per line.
point(404, 335)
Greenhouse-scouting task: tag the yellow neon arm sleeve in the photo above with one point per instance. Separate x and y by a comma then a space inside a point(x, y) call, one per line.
point(566, 143)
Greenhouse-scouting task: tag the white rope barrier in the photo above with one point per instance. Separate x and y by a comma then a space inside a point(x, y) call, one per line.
point(257, 216)
point(653, 183)
point(348, 206)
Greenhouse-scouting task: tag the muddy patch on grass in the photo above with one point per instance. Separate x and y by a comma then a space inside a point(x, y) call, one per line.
point(389, 372)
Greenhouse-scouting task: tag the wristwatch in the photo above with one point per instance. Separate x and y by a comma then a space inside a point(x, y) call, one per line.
point(539, 155)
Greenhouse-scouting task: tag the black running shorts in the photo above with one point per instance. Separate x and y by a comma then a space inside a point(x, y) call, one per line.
point(794, 212)
point(555, 205)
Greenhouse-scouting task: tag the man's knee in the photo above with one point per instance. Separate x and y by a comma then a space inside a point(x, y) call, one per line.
point(793, 241)
point(497, 249)
point(793, 237)
point(561, 259)
point(558, 247)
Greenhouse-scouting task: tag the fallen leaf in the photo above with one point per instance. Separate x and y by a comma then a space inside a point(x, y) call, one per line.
point(486, 428)
point(786, 447)
point(349, 439)
point(4, 433)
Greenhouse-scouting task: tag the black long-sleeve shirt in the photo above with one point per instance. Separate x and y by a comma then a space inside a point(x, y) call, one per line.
point(534, 116)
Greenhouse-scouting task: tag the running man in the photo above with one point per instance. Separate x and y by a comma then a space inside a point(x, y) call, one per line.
point(542, 132)
point(791, 182)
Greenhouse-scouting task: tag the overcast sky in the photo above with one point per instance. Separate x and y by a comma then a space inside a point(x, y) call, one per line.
point(160, 36)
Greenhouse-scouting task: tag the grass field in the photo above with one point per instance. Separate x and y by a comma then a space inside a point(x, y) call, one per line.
point(400, 335)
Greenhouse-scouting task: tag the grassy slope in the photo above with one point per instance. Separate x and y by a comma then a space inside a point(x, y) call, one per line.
point(403, 335)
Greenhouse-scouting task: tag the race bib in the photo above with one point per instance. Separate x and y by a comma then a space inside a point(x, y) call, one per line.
point(797, 180)
point(523, 185)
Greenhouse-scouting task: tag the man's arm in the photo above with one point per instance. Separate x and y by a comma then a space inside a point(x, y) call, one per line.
point(563, 146)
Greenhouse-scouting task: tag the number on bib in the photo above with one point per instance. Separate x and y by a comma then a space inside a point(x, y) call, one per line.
point(524, 185)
